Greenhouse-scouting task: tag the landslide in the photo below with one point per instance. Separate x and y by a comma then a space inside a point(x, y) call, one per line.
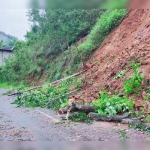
point(130, 41)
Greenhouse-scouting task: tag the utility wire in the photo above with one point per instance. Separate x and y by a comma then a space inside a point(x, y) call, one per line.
point(19, 30)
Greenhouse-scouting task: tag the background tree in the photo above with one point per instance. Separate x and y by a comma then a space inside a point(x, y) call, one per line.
point(2, 44)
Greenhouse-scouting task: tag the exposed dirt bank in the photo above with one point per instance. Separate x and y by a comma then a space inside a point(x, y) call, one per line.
point(131, 40)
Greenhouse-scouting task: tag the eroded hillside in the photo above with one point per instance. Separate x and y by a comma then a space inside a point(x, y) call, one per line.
point(130, 41)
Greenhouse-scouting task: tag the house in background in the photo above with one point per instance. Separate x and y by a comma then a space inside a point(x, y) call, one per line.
point(5, 53)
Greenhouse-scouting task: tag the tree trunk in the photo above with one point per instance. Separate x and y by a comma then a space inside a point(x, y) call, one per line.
point(76, 108)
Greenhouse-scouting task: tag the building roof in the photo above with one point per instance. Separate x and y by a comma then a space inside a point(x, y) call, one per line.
point(7, 49)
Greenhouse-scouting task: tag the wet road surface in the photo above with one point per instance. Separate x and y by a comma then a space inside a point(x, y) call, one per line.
point(36, 124)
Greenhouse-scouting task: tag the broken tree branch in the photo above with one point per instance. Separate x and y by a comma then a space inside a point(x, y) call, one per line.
point(20, 92)
point(74, 75)
point(122, 119)
point(53, 83)
point(98, 117)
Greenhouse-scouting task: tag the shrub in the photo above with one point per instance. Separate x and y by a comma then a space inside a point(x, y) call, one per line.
point(133, 83)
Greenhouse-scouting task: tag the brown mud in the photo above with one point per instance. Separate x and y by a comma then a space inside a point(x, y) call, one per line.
point(129, 41)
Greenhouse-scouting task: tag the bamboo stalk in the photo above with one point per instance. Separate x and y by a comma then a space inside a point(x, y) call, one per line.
point(53, 83)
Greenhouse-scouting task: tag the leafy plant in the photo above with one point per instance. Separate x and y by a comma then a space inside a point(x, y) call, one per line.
point(112, 105)
point(148, 118)
point(48, 96)
point(64, 104)
point(133, 83)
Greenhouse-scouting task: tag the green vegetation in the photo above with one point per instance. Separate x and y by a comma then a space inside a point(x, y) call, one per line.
point(148, 118)
point(52, 33)
point(108, 21)
point(80, 117)
point(6, 86)
point(133, 83)
point(112, 105)
point(52, 51)
point(109, 4)
point(7, 40)
point(48, 96)
point(115, 104)
point(139, 127)
point(2, 44)
point(49, 50)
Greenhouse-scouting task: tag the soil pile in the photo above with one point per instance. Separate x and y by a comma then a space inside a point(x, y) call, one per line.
point(130, 41)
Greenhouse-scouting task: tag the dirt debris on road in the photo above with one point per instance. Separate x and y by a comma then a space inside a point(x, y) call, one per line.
point(28, 124)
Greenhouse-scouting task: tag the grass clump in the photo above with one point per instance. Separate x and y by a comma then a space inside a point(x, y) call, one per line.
point(112, 105)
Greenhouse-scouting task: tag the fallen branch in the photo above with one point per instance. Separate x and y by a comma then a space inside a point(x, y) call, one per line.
point(66, 109)
point(76, 108)
point(20, 92)
point(98, 117)
point(74, 75)
point(122, 119)
point(86, 109)
point(53, 83)
point(130, 121)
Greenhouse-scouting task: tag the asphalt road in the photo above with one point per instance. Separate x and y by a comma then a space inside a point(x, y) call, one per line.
point(36, 124)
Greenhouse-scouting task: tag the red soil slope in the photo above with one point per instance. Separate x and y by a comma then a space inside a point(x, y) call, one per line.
point(131, 40)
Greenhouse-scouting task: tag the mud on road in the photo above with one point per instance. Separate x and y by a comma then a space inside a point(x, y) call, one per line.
point(36, 124)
